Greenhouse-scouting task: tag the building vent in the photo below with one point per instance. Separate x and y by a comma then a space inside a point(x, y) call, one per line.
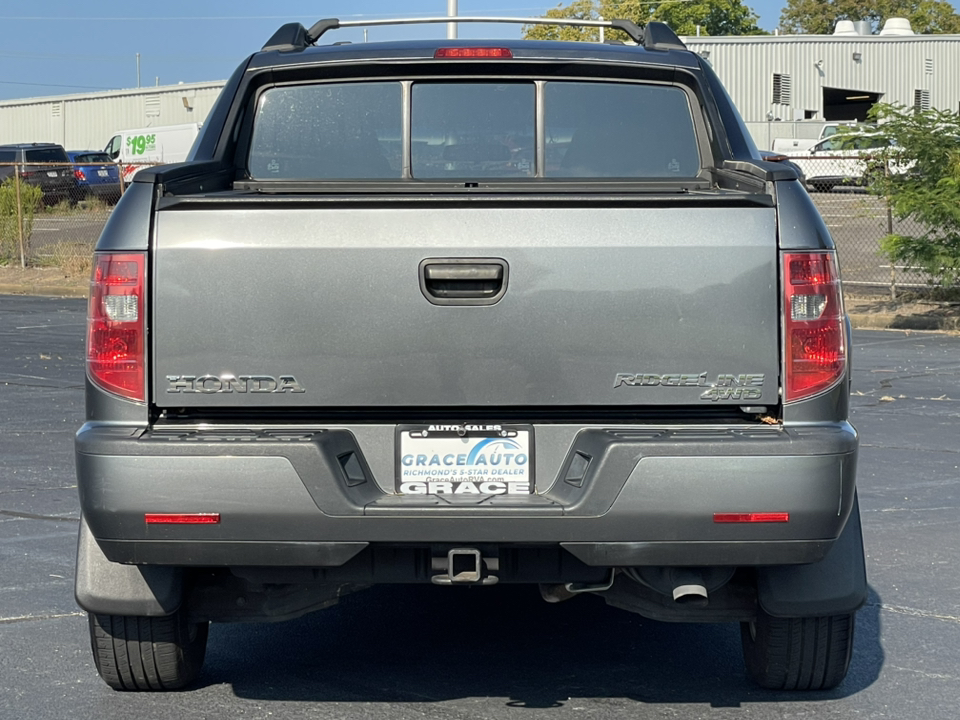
point(151, 105)
point(845, 27)
point(781, 89)
point(928, 66)
point(921, 100)
point(896, 26)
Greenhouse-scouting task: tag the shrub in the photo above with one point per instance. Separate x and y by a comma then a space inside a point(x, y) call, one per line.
point(12, 217)
point(922, 183)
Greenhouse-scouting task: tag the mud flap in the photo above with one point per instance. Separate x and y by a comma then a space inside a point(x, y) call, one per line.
point(837, 585)
point(109, 588)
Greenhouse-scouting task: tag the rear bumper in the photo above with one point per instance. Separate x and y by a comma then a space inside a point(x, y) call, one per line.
point(648, 496)
point(102, 190)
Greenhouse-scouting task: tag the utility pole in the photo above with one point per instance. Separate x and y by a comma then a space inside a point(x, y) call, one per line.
point(138, 69)
point(452, 12)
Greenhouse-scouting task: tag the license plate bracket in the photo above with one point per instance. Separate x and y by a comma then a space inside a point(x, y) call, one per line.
point(468, 459)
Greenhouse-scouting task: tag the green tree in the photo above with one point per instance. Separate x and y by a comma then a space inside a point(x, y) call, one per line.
point(579, 10)
point(921, 183)
point(715, 17)
point(819, 17)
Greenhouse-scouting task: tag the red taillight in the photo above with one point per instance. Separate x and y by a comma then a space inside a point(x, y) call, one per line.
point(474, 52)
point(757, 517)
point(78, 174)
point(115, 335)
point(182, 518)
point(816, 344)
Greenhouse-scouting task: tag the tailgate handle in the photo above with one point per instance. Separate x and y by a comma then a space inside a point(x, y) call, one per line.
point(463, 281)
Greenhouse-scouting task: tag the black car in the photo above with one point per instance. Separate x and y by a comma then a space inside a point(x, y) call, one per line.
point(45, 165)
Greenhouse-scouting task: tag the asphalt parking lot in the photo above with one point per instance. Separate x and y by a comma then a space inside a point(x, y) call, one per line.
point(431, 652)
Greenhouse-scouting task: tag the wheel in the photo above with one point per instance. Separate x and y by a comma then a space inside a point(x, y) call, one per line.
point(148, 653)
point(798, 653)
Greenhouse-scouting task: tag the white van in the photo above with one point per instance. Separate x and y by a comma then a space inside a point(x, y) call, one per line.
point(141, 147)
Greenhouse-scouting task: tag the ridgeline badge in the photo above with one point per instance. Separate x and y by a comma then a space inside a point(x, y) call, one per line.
point(726, 387)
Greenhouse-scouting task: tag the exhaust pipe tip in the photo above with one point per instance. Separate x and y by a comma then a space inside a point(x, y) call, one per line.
point(691, 594)
point(555, 593)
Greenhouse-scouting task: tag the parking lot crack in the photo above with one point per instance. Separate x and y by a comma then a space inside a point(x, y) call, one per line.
point(32, 516)
point(49, 387)
point(31, 618)
point(915, 612)
point(952, 451)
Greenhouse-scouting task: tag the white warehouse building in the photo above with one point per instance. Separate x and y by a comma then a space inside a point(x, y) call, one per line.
point(87, 121)
point(789, 85)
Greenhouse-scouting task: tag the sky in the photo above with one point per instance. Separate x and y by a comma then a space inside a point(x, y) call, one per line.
point(56, 47)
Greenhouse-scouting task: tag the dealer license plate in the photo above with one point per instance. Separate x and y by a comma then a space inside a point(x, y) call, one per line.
point(468, 459)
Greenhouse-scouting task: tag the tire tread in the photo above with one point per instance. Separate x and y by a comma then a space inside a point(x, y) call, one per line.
point(798, 653)
point(147, 653)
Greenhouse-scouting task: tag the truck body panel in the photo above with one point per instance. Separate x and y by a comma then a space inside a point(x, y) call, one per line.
point(603, 306)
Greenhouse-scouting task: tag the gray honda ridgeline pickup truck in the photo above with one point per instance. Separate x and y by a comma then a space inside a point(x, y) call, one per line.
point(467, 313)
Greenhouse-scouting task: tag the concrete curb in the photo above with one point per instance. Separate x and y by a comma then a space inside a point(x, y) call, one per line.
point(43, 290)
point(891, 321)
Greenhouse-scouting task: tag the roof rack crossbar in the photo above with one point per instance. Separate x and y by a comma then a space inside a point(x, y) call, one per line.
point(653, 36)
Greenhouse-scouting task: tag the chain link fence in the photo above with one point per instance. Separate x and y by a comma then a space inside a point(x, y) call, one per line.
point(52, 214)
point(858, 220)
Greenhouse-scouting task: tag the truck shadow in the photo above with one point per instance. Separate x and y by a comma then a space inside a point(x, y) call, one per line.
point(426, 644)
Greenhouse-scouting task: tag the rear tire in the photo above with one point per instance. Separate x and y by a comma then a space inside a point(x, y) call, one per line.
point(148, 653)
point(798, 653)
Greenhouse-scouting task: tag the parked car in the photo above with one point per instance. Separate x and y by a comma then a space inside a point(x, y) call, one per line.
point(469, 312)
point(45, 165)
point(785, 144)
point(838, 160)
point(96, 175)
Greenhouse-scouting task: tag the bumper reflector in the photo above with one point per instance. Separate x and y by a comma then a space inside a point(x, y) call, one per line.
point(182, 518)
point(763, 517)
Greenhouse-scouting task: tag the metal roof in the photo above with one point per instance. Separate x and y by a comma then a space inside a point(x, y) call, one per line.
point(151, 90)
point(789, 39)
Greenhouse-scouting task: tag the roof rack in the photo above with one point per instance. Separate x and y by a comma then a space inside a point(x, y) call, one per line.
point(653, 36)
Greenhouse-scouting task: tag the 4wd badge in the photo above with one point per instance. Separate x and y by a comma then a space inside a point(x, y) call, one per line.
point(726, 387)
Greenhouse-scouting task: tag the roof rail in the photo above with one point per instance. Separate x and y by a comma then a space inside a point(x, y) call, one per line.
point(653, 36)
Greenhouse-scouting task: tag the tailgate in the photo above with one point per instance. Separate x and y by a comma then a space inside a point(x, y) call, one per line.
point(598, 306)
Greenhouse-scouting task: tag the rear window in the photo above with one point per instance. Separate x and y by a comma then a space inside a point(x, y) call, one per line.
point(325, 132)
point(8, 156)
point(473, 130)
point(92, 158)
point(46, 155)
point(607, 130)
